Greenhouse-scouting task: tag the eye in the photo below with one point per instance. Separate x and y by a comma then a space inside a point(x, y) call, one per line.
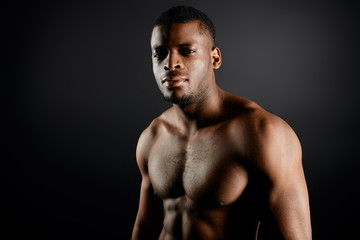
point(160, 53)
point(186, 51)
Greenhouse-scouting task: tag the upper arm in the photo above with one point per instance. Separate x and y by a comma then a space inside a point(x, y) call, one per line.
point(276, 153)
point(149, 218)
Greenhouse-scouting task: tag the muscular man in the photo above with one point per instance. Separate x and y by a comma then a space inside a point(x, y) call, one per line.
point(214, 165)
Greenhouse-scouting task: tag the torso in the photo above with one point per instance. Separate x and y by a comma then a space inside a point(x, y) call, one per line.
point(204, 183)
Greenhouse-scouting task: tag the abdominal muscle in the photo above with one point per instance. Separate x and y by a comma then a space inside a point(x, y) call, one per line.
point(184, 220)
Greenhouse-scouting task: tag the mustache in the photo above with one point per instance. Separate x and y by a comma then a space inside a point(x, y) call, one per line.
point(174, 74)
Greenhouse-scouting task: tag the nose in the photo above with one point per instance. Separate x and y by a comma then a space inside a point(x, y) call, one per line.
point(173, 62)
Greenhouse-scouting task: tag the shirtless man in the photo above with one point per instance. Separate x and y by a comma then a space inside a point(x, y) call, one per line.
point(214, 166)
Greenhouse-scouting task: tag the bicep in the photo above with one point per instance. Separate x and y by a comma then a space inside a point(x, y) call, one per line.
point(148, 223)
point(287, 205)
point(150, 205)
point(287, 210)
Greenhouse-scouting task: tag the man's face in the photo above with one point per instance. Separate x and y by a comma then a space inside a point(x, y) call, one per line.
point(182, 61)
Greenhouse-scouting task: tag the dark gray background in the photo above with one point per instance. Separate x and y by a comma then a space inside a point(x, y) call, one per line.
point(79, 90)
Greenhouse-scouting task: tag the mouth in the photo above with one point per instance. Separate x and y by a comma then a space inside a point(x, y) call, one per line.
point(173, 82)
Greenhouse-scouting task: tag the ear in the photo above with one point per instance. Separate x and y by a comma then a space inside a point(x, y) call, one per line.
point(216, 57)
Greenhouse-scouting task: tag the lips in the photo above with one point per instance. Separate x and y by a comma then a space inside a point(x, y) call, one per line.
point(173, 82)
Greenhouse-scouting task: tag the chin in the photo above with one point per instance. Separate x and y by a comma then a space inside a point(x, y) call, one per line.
point(182, 101)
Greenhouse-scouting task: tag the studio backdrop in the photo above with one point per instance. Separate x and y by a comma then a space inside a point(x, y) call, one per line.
point(79, 90)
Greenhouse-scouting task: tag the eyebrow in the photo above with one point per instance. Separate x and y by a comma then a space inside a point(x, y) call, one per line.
point(182, 45)
point(158, 48)
point(185, 45)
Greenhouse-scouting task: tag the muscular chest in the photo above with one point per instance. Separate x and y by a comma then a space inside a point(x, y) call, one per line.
point(204, 168)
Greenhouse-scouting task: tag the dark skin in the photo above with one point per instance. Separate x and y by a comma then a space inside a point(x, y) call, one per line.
point(215, 165)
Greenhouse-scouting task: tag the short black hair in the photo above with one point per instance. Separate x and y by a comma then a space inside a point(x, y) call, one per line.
point(184, 14)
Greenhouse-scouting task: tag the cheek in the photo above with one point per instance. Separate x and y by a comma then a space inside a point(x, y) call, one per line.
point(156, 70)
point(200, 67)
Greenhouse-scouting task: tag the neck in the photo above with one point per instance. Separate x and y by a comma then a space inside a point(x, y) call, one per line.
point(203, 112)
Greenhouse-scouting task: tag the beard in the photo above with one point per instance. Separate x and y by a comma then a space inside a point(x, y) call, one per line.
point(190, 97)
point(182, 101)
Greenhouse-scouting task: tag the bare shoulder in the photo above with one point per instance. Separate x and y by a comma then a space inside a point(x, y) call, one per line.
point(272, 153)
point(264, 135)
point(263, 126)
point(149, 136)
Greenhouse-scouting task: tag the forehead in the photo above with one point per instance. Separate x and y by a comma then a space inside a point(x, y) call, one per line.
point(179, 33)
